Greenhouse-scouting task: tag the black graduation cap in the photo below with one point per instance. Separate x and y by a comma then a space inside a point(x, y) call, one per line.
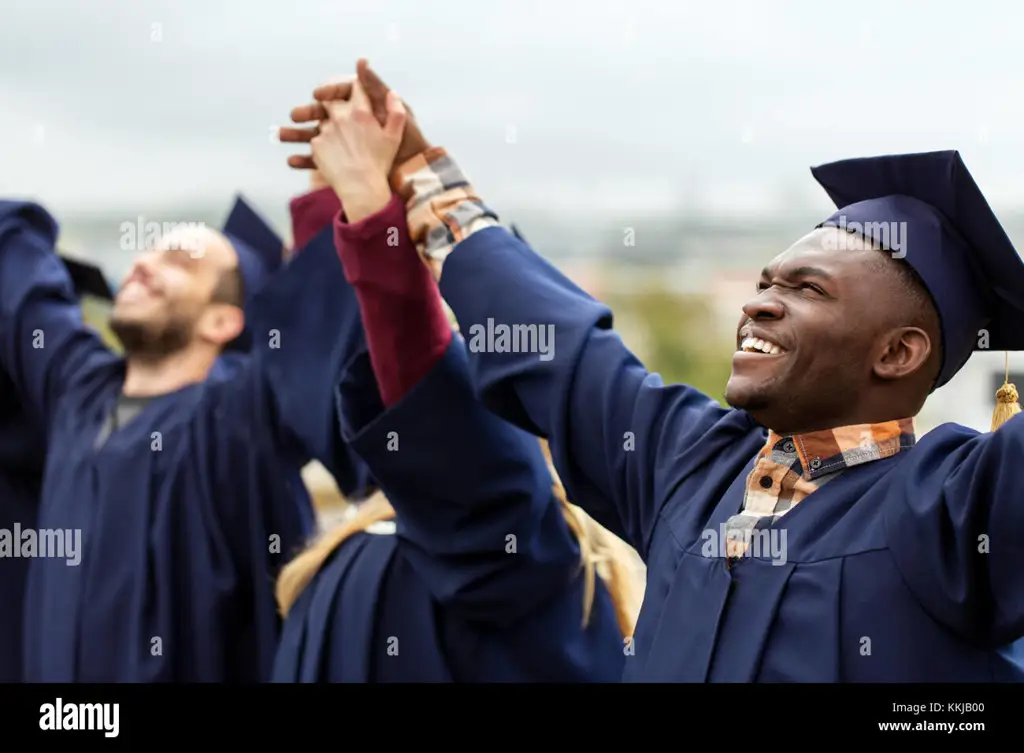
point(88, 279)
point(260, 252)
point(951, 238)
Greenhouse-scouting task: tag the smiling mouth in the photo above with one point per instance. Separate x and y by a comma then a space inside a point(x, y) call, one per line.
point(135, 290)
point(757, 345)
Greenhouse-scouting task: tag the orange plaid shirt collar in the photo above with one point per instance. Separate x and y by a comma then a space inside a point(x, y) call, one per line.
point(788, 469)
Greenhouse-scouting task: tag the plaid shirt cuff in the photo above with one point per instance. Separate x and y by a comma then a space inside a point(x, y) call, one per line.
point(441, 205)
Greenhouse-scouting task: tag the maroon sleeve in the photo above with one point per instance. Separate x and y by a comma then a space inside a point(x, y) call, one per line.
point(407, 331)
point(312, 213)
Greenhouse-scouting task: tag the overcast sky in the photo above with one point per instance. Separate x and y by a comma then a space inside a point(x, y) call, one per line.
point(612, 106)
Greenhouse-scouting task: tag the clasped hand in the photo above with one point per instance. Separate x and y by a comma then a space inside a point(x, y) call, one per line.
point(363, 132)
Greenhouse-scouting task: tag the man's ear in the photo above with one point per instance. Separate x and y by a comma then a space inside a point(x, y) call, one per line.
point(904, 351)
point(221, 323)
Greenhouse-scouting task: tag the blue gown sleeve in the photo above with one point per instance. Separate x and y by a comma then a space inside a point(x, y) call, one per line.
point(954, 525)
point(282, 394)
point(610, 423)
point(477, 517)
point(225, 368)
point(45, 346)
point(305, 326)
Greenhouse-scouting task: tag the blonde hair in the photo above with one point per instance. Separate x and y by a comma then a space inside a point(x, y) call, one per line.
point(601, 555)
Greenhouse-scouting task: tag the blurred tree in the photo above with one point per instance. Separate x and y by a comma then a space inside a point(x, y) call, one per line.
point(670, 332)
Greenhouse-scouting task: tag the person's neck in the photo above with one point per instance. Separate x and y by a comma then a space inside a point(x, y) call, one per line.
point(149, 376)
point(864, 419)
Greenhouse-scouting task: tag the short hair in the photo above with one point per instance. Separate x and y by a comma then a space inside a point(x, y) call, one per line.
point(918, 309)
point(919, 306)
point(915, 307)
point(230, 288)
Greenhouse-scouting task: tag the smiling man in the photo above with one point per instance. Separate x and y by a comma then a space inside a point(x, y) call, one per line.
point(903, 559)
point(183, 297)
point(816, 298)
point(812, 297)
point(177, 462)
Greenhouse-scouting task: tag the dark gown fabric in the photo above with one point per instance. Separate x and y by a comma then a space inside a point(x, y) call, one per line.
point(481, 580)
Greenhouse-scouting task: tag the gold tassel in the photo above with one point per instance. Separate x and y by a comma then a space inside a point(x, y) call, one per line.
point(1006, 400)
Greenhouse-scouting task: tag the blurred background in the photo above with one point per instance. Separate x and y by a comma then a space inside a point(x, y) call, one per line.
point(656, 151)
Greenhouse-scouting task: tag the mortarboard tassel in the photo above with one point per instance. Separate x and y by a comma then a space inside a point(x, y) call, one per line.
point(1006, 400)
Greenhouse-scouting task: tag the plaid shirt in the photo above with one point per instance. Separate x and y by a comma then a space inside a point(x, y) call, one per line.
point(441, 205)
point(790, 468)
point(444, 209)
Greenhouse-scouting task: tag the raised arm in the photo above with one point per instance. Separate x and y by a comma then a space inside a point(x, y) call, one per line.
point(544, 356)
point(313, 216)
point(306, 326)
point(476, 512)
point(954, 524)
point(45, 346)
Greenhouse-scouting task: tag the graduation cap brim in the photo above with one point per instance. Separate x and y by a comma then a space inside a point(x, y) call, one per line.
point(88, 279)
point(954, 242)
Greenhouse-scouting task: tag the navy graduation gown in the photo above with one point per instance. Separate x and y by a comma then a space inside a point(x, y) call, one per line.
point(481, 581)
point(226, 367)
point(312, 408)
point(184, 513)
point(22, 453)
point(902, 569)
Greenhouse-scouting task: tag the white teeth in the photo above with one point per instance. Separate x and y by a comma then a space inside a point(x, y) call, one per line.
point(756, 344)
